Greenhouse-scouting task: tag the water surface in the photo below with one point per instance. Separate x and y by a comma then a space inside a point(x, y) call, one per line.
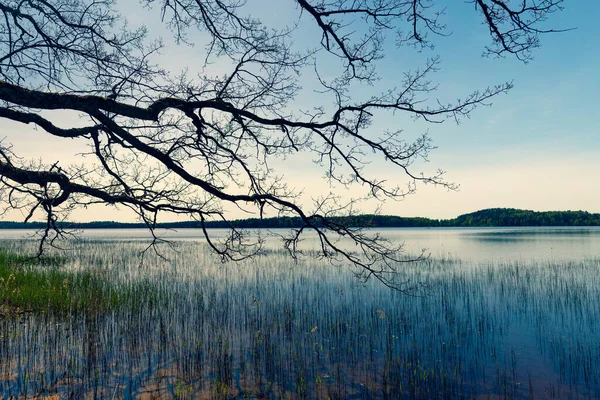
point(503, 313)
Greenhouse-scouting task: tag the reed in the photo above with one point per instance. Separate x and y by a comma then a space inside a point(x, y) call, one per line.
point(192, 327)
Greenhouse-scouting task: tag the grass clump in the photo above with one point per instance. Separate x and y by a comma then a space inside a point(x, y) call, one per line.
point(29, 285)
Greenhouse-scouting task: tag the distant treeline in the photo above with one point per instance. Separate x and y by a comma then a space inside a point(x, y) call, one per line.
point(277, 222)
point(515, 217)
point(489, 217)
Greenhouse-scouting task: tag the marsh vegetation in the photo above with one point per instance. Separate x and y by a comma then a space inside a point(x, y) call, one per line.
point(96, 325)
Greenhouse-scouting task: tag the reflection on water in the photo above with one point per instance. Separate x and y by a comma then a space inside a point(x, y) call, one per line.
point(479, 244)
point(511, 314)
point(475, 244)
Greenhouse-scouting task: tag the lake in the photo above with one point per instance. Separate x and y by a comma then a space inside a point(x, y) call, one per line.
point(523, 243)
point(496, 313)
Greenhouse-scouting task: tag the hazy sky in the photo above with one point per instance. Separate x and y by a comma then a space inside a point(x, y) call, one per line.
point(536, 148)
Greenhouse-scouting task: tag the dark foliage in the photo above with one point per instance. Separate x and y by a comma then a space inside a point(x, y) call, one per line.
point(514, 217)
point(490, 217)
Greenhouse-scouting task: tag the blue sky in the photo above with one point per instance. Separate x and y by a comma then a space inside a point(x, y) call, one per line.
point(538, 147)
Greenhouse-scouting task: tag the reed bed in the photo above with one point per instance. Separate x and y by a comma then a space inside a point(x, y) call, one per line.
point(192, 327)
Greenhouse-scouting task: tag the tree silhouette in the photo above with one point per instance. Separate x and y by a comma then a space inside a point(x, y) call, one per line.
point(174, 144)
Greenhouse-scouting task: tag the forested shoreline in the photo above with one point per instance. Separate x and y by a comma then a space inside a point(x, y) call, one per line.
point(488, 217)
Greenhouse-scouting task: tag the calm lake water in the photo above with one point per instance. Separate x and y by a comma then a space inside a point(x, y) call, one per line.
point(502, 313)
point(474, 244)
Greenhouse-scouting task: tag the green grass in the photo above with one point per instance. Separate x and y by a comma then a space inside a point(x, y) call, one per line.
point(30, 285)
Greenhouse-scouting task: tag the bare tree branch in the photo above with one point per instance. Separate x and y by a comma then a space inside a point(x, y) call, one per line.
point(171, 144)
